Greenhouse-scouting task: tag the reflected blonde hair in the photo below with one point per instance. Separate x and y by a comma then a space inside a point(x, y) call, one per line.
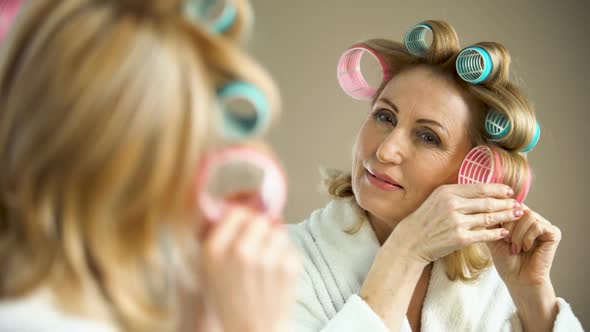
point(497, 93)
point(106, 107)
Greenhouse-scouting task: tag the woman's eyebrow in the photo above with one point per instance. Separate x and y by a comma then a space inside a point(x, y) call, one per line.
point(423, 121)
point(388, 102)
point(432, 122)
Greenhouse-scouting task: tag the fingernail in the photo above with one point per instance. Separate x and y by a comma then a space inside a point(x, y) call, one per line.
point(504, 233)
point(509, 192)
point(518, 213)
point(516, 205)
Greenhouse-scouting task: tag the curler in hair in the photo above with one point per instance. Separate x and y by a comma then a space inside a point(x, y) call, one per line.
point(350, 75)
point(415, 39)
point(474, 65)
point(535, 139)
point(497, 125)
point(246, 110)
point(219, 15)
point(242, 176)
point(483, 165)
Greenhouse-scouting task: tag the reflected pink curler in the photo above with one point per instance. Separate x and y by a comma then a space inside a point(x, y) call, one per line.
point(350, 75)
point(483, 165)
point(226, 179)
point(8, 11)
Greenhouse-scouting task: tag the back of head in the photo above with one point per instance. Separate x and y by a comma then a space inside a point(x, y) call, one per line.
point(105, 109)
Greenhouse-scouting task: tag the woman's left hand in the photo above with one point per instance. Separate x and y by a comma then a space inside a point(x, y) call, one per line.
point(525, 257)
point(523, 260)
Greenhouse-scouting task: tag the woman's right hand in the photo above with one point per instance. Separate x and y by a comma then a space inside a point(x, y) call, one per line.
point(452, 217)
point(249, 270)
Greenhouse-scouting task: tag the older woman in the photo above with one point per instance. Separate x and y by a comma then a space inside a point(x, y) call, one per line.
point(404, 247)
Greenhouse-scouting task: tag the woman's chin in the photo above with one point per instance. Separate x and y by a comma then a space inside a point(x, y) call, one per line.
point(383, 209)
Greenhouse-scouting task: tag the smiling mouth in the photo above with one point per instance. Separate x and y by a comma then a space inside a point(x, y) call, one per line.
point(385, 183)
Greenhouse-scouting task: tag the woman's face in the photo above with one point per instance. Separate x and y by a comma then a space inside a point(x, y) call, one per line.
point(413, 141)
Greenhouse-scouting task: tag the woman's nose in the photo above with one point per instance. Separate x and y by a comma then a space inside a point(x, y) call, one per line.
point(391, 149)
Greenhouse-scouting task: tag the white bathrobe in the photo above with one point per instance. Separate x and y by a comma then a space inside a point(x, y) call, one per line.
point(39, 313)
point(336, 264)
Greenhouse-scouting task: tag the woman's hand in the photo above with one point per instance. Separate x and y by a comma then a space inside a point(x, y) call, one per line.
point(452, 217)
point(249, 270)
point(524, 259)
point(455, 216)
point(524, 262)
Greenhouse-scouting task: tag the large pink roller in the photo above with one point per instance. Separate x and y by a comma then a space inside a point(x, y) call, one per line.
point(350, 75)
point(241, 175)
point(483, 165)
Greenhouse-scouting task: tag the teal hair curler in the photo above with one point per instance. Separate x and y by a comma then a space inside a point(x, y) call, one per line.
point(497, 125)
point(474, 65)
point(535, 139)
point(219, 15)
point(415, 39)
point(236, 124)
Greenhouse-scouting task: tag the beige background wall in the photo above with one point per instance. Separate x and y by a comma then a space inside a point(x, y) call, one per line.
point(301, 41)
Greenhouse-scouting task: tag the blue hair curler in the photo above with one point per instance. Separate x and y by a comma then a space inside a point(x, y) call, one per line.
point(415, 40)
point(219, 15)
point(497, 125)
point(474, 65)
point(535, 139)
point(240, 126)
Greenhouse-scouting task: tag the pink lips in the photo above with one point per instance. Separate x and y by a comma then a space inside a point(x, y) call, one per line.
point(383, 181)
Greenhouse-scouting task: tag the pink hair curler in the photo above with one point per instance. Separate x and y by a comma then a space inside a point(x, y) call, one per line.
point(240, 175)
point(483, 165)
point(8, 11)
point(521, 196)
point(350, 75)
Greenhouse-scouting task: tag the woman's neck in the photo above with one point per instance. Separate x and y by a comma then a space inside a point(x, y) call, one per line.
point(381, 228)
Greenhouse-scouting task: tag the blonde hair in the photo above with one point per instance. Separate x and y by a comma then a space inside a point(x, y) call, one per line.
point(106, 107)
point(497, 93)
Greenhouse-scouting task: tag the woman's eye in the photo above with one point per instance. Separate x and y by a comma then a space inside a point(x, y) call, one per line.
point(430, 138)
point(385, 116)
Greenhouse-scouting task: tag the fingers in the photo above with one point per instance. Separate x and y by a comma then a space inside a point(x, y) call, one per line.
point(248, 267)
point(491, 219)
point(279, 254)
point(534, 231)
point(248, 244)
point(488, 204)
point(476, 190)
point(520, 228)
point(531, 228)
point(276, 244)
point(224, 232)
point(486, 235)
point(279, 261)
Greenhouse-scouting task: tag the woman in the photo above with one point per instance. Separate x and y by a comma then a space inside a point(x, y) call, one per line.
point(403, 247)
point(107, 107)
